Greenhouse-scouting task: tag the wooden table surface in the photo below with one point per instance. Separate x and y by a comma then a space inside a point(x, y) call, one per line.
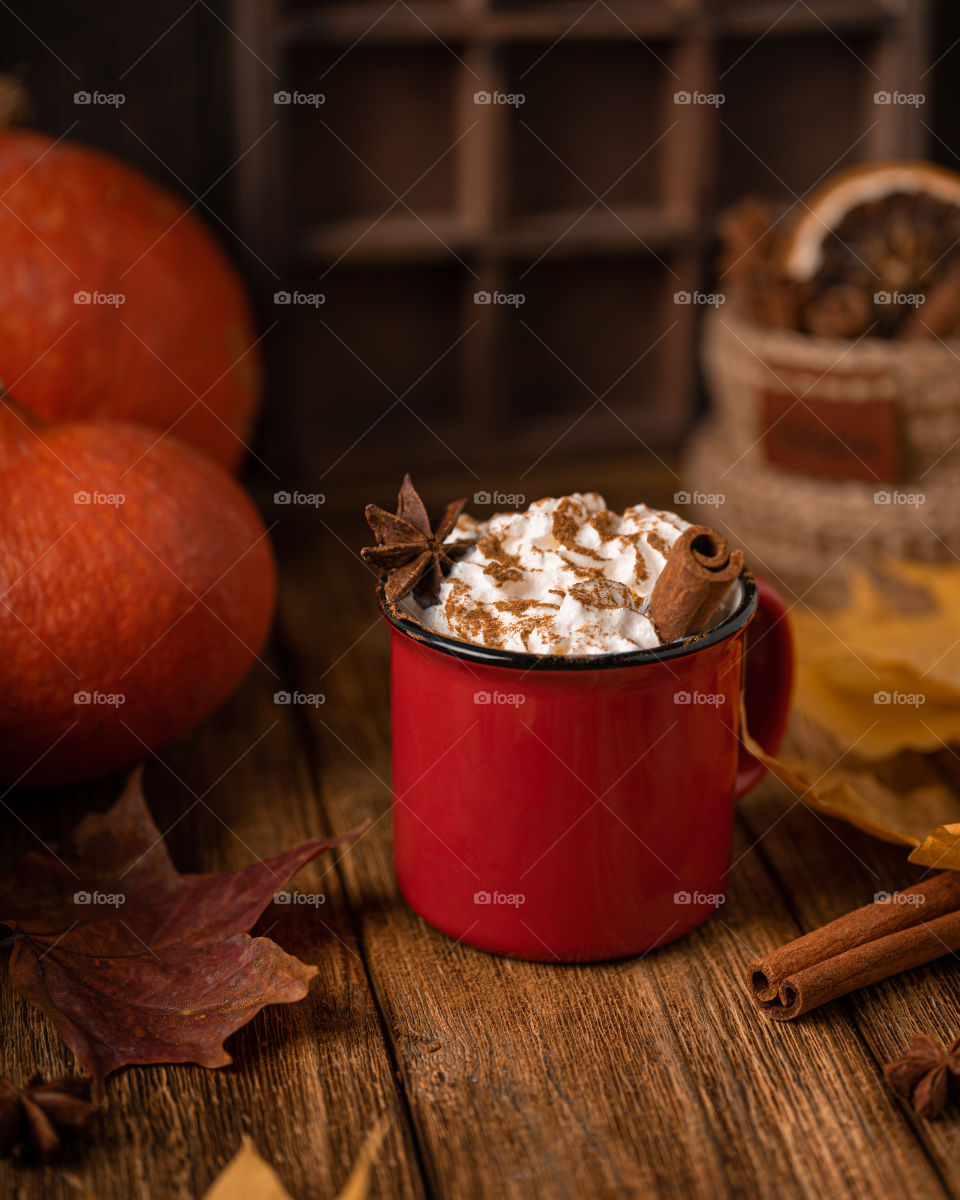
point(651, 1076)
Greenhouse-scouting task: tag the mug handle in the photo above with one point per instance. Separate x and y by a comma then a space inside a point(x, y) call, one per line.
point(768, 678)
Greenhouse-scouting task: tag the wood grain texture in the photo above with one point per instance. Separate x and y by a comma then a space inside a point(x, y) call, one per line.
point(652, 1076)
point(309, 1079)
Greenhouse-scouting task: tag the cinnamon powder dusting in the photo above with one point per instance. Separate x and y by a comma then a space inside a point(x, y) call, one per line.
point(604, 593)
point(602, 522)
point(661, 545)
point(491, 546)
point(471, 621)
point(502, 574)
point(567, 522)
point(518, 607)
point(524, 626)
point(581, 570)
point(509, 589)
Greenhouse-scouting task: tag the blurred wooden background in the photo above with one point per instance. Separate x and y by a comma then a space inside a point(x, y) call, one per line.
point(399, 362)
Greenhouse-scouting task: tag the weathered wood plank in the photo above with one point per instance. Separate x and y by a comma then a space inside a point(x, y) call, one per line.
point(653, 1075)
point(841, 869)
point(308, 1079)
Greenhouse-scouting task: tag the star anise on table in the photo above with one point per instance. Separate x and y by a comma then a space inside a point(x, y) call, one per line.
point(40, 1114)
point(409, 548)
point(922, 1075)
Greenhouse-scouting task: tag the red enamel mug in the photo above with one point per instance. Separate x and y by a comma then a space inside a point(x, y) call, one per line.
point(578, 809)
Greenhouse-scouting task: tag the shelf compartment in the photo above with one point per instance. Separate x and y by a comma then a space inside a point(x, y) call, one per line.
point(380, 333)
point(386, 123)
point(587, 127)
point(557, 370)
point(766, 147)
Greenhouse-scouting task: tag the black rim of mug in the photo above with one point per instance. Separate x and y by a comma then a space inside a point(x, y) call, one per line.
point(520, 661)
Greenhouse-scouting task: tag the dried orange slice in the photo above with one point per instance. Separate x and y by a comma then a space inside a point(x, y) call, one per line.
point(866, 197)
point(889, 229)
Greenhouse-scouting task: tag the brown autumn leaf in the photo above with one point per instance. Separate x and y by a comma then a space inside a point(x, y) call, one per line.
point(136, 963)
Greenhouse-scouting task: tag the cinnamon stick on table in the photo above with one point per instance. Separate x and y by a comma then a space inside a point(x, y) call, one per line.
point(882, 939)
point(699, 571)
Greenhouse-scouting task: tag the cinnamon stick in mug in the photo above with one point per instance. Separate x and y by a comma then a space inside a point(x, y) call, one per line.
point(699, 570)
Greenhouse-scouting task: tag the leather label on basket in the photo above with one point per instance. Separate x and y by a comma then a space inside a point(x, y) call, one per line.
point(832, 435)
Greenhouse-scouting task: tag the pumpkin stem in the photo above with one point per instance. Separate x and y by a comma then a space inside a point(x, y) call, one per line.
point(14, 101)
point(18, 427)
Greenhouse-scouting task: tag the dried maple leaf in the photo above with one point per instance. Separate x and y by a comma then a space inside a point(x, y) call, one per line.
point(135, 963)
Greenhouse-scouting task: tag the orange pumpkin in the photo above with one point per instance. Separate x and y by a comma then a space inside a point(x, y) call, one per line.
point(137, 585)
point(116, 302)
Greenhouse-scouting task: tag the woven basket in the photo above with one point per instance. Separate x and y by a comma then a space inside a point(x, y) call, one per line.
point(802, 532)
point(905, 392)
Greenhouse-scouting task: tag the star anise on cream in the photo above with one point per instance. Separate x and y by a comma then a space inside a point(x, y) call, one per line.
point(40, 1114)
point(923, 1073)
point(409, 549)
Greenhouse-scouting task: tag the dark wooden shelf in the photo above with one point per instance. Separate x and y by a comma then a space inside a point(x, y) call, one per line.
point(397, 238)
point(425, 23)
point(634, 229)
point(774, 18)
point(502, 195)
point(403, 238)
point(375, 24)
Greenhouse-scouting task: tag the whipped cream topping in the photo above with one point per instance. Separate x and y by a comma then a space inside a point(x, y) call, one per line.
point(568, 576)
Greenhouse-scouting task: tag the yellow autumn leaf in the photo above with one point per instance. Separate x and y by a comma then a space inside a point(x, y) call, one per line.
point(878, 690)
point(248, 1177)
point(876, 714)
point(925, 816)
point(940, 849)
point(358, 1185)
point(883, 673)
point(901, 614)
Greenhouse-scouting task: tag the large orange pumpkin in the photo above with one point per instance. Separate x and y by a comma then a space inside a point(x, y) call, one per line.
point(116, 302)
point(137, 585)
